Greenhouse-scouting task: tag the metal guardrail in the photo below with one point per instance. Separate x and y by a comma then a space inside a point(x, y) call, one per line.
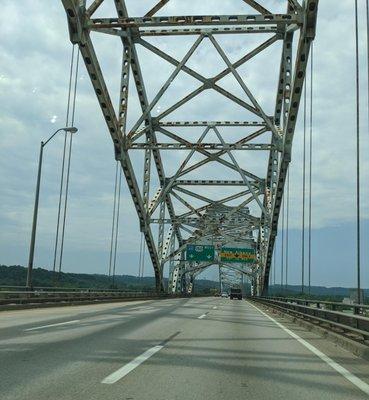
point(325, 313)
point(359, 309)
point(80, 295)
point(58, 289)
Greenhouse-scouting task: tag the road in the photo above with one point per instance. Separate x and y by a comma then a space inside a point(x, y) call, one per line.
point(199, 348)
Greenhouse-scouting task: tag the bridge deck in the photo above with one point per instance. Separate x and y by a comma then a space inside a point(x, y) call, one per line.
point(200, 348)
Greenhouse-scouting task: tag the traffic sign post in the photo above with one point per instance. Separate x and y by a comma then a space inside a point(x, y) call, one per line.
point(231, 255)
point(196, 252)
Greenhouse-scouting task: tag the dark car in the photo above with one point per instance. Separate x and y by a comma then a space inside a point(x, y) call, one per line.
point(235, 293)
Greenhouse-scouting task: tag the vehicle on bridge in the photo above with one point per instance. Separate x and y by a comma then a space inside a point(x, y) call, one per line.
point(235, 293)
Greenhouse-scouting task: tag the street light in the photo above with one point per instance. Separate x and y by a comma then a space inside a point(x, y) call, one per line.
point(71, 130)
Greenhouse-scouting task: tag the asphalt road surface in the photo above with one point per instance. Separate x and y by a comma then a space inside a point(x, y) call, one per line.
point(200, 348)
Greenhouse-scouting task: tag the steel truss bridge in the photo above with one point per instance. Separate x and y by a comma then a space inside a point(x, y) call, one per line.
point(218, 179)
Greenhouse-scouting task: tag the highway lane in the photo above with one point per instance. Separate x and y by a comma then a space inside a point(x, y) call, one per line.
point(200, 348)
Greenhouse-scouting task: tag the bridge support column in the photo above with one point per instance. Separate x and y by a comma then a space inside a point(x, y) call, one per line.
point(176, 275)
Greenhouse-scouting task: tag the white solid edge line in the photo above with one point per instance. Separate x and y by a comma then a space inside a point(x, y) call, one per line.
point(364, 387)
point(51, 325)
point(201, 316)
point(126, 369)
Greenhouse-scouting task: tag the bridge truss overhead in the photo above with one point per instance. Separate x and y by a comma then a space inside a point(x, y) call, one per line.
point(203, 130)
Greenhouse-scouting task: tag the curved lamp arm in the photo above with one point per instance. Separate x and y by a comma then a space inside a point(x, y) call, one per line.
point(71, 129)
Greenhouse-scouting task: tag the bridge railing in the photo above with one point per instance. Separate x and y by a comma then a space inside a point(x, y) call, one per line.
point(9, 288)
point(38, 296)
point(328, 305)
point(343, 318)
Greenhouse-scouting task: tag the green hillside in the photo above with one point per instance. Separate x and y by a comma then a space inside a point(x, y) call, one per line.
point(15, 275)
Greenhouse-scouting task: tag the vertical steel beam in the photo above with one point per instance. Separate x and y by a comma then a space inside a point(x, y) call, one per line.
point(307, 35)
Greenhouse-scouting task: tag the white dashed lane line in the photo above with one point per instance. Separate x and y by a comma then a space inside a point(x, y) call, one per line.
point(126, 369)
point(52, 325)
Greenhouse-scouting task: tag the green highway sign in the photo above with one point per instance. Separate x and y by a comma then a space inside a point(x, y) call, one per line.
point(231, 255)
point(195, 252)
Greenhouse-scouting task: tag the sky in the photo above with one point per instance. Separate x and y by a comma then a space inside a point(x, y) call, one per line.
point(34, 70)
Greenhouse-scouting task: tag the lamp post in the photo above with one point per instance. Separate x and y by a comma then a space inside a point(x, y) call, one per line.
point(35, 210)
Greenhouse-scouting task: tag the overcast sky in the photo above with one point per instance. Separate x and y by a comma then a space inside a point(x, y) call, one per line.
point(34, 65)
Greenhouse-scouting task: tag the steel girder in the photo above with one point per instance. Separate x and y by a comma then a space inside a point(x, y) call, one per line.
point(184, 206)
